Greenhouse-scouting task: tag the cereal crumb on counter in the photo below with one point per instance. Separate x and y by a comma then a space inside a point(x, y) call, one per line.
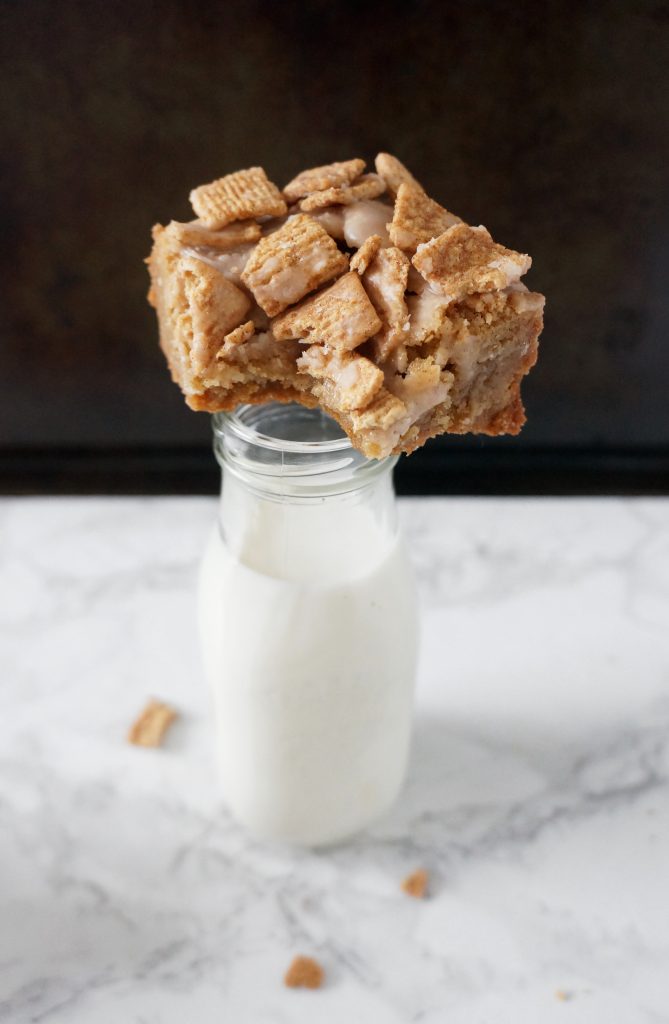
point(415, 884)
point(564, 996)
point(148, 730)
point(304, 972)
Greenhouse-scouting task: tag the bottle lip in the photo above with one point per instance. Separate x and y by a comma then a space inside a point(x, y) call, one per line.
point(275, 448)
point(238, 423)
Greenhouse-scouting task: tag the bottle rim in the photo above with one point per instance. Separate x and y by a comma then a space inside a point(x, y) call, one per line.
point(246, 445)
point(238, 423)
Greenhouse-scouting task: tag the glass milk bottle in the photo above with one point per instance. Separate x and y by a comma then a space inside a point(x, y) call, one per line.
point(308, 627)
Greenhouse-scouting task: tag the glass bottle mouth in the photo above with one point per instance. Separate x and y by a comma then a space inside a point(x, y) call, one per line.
point(285, 427)
point(286, 448)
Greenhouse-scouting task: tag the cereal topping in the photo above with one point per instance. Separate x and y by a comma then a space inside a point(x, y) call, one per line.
point(215, 306)
point(464, 260)
point(385, 282)
point(237, 196)
point(350, 380)
point(341, 315)
point(394, 173)
point(417, 218)
point(288, 264)
point(317, 179)
point(369, 186)
point(366, 254)
point(195, 233)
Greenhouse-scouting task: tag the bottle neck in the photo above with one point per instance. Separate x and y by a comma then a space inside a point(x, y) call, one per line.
point(298, 502)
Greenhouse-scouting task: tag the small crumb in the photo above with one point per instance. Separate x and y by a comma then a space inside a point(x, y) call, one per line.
point(563, 996)
point(304, 973)
point(415, 884)
point(149, 729)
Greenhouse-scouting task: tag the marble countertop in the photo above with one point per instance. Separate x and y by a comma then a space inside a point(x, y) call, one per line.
point(538, 793)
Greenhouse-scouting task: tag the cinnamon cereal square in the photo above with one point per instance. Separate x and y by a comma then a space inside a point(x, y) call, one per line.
point(291, 262)
point(317, 179)
point(417, 218)
point(369, 186)
point(237, 196)
point(465, 260)
point(394, 173)
point(385, 282)
point(341, 315)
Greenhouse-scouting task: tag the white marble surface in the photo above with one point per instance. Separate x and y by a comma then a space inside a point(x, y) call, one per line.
point(538, 793)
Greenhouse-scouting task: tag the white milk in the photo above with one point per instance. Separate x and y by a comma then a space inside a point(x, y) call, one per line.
point(309, 641)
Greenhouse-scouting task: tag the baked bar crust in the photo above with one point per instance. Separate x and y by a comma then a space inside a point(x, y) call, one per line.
point(367, 298)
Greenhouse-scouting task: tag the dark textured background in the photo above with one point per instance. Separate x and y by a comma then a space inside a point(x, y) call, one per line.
point(544, 121)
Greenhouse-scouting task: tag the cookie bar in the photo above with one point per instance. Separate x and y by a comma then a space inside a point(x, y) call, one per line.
point(354, 291)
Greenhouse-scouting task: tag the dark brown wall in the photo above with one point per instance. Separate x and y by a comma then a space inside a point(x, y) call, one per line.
point(541, 120)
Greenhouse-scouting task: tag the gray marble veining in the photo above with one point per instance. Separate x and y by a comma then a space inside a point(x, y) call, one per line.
point(538, 794)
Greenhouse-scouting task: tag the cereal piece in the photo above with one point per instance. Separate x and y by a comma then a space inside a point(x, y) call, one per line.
point(368, 186)
point(563, 996)
point(385, 282)
point(237, 196)
point(417, 218)
point(384, 412)
point(464, 260)
point(394, 173)
point(350, 380)
point(216, 306)
point(149, 729)
point(341, 315)
point(316, 179)
point(288, 264)
point(195, 233)
point(366, 254)
point(238, 336)
point(304, 972)
point(415, 884)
